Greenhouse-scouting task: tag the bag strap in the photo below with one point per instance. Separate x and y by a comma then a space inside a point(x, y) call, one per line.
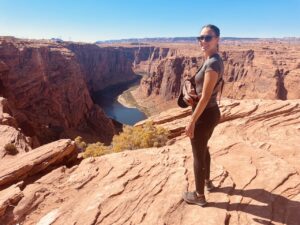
point(198, 70)
point(192, 78)
point(222, 80)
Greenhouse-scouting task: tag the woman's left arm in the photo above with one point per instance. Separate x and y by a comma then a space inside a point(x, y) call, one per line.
point(210, 80)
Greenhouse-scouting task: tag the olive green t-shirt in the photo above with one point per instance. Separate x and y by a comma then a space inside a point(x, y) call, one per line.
point(214, 62)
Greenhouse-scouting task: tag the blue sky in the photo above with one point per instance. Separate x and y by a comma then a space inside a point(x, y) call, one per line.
point(91, 20)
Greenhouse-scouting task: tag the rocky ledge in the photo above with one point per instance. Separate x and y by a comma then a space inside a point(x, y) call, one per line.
point(254, 165)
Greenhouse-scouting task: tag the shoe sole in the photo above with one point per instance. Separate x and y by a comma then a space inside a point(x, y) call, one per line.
point(195, 203)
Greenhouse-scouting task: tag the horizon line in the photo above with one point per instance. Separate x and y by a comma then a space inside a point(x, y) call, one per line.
point(135, 38)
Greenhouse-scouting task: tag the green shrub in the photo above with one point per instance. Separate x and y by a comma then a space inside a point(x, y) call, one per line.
point(11, 149)
point(145, 136)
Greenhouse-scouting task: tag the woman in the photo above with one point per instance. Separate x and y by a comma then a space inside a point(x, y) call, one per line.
point(206, 113)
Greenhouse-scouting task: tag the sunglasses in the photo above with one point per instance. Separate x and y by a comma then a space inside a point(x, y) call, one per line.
point(206, 38)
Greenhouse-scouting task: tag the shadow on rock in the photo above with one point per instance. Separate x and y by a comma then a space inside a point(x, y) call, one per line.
point(274, 207)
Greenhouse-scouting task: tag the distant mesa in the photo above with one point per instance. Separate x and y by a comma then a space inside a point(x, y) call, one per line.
point(57, 40)
point(192, 40)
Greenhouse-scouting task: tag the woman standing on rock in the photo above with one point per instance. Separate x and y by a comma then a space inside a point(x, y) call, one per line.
point(206, 113)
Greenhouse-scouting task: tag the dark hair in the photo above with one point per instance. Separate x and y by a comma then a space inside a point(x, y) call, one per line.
point(215, 29)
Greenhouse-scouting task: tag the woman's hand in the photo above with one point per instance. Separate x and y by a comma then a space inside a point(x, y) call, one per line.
point(188, 100)
point(210, 80)
point(189, 129)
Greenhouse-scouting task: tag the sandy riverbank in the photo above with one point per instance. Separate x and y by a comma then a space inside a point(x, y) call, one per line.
point(127, 99)
point(122, 100)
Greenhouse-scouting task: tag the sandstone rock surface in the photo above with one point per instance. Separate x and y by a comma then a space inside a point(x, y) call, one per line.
point(46, 88)
point(10, 132)
point(254, 164)
point(27, 164)
point(264, 70)
point(46, 94)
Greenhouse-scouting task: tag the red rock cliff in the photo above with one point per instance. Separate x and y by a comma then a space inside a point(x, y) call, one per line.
point(48, 85)
point(44, 84)
point(103, 67)
point(262, 70)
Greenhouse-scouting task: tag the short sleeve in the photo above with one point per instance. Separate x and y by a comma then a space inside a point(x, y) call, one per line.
point(213, 65)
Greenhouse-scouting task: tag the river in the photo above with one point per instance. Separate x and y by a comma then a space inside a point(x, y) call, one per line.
point(107, 100)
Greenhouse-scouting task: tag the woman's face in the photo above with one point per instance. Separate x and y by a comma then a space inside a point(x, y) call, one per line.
point(208, 46)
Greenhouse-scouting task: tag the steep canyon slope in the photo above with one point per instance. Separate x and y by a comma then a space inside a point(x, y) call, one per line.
point(268, 70)
point(49, 86)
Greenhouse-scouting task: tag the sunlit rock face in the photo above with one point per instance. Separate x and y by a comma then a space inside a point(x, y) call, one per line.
point(254, 151)
point(264, 70)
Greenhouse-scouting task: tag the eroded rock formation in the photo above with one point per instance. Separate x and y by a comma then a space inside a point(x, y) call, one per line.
point(46, 96)
point(50, 85)
point(254, 164)
point(45, 86)
point(261, 70)
point(11, 133)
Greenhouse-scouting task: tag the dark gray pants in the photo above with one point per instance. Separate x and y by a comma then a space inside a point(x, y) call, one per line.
point(204, 127)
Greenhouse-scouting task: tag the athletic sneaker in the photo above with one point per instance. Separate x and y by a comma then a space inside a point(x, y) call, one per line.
point(193, 198)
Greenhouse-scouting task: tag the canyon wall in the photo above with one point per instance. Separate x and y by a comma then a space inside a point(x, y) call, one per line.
point(45, 94)
point(106, 66)
point(103, 67)
point(264, 70)
point(11, 133)
point(45, 86)
point(49, 85)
